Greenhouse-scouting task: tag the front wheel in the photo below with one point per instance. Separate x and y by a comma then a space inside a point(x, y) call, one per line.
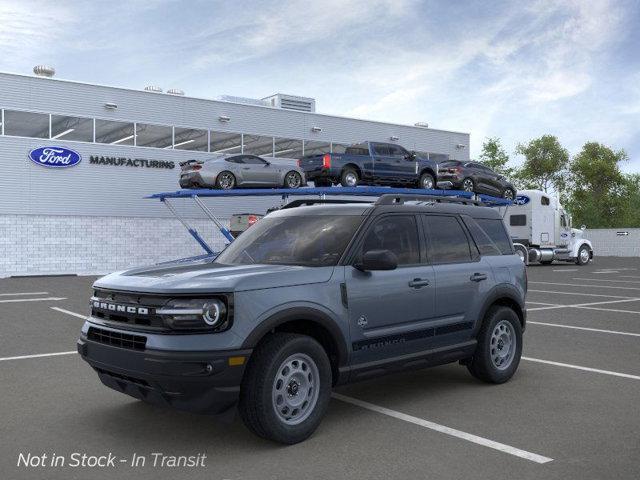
point(427, 182)
point(584, 255)
point(508, 194)
point(497, 355)
point(286, 389)
point(292, 180)
point(468, 185)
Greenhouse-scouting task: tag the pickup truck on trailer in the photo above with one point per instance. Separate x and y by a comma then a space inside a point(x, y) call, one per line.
point(371, 163)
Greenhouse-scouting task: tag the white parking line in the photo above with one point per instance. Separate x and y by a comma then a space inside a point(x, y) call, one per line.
point(446, 430)
point(628, 276)
point(585, 305)
point(22, 357)
point(22, 293)
point(581, 294)
point(566, 269)
point(598, 330)
point(541, 303)
point(73, 314)
point(579, 367)
point(608, 309)
point(604, 280)
point(47, 299)
point(590, 286)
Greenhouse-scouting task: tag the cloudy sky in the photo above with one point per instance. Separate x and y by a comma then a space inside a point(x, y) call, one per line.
point(515, 70)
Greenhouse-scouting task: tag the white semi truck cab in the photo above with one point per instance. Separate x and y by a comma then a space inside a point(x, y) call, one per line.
point(541, 230)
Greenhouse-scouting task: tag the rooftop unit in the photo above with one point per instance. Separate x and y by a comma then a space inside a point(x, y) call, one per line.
point(291, 102)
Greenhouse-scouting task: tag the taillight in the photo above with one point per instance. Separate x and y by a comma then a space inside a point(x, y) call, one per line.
point(326, 160)
point(251, 219)
point(196, 167)
point(299, 162)
point(457, 170)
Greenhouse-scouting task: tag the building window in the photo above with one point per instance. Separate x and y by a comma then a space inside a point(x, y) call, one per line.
point(258, 145)
point(287, 148)
point(224, 142)
point(312, 147)
point(190, 139)
point(72, 128)
point(26, 124)
point(114, 133)
point(157, 136)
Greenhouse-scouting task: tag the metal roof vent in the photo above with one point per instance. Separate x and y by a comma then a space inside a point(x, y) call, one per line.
point(175, 91)
point(153, 88)
point(422, 124)
point(44, 71)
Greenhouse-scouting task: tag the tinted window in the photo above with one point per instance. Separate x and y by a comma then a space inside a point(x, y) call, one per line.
point(544, 200)
point(313, 241)
point(253, 160)
point(450, 163)
point(396, 151)
point(357, 151)
point(381, 149)
point(490, 236)
point(26, 124)
point(235, 159)
point(518, 220)
point(396, 233)
point(447, 241)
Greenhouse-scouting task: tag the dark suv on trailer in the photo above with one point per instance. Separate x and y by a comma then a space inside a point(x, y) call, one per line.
point(309, 298)
point(476, 177)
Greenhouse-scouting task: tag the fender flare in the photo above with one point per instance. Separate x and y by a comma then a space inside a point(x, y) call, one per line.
point(578, 245)
point(300, 313)
point(499, 292)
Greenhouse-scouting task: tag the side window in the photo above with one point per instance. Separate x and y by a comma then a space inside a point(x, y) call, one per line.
point(253, 160)
point(544, 200)
point(518, 220)
point(381, 149)
point(563, 221)
point(396, 151)
point(494, 231)
point(447, 240)
point(396, 233)
point(235, 159)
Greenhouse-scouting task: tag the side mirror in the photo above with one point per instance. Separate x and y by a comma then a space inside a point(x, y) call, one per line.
point(267, 163)
point(583, 227)
point(410, 156)
point(377, 260)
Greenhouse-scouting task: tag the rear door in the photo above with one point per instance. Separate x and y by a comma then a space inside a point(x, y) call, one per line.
point(462, 277)
point(383, 162)
point(390, 312)
point(404, 167)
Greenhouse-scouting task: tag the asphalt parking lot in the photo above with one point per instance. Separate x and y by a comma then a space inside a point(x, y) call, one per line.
point(571, 411)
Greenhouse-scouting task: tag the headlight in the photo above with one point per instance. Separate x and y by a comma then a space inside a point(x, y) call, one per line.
point(209, 314)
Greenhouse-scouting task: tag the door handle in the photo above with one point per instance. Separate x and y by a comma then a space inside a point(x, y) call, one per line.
point(246, 168)
point(478, 277)
point(418, 283)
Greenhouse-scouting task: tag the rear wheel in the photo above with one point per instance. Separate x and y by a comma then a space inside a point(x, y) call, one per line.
point(286, 389)
point(349, 178)
point(468, 185)
point(584, 256)
point(497, 355)
point(508, 194)
point(225, 180)
point(292, 179)
point(427, 182)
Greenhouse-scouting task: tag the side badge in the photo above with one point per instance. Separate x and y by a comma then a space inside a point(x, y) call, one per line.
point(362, 321)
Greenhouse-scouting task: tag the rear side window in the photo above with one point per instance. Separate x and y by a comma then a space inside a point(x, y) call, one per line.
point(396, 233)
point(518, 220)
point(490, 236)
point(446, 240)
point(357, 150)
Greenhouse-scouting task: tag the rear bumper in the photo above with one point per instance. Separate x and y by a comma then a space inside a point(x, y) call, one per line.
point(192, 180)
point(200, 382)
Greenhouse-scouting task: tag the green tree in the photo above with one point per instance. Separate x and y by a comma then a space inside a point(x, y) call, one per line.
point(599, 192)
point(631, 201)
point(495, 157)
point(545, 164)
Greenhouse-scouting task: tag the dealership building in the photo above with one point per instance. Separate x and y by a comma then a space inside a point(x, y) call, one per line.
point(91, 216)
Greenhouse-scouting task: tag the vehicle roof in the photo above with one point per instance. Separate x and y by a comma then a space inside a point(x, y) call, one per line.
point(412, 207)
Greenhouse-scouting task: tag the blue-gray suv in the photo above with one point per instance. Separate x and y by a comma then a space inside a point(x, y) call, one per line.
point(309, 298)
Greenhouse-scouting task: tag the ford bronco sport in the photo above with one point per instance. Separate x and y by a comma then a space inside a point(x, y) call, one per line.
point(309, 298)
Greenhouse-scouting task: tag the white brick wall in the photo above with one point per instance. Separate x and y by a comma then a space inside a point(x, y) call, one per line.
point(39, 244)
point(607, 243)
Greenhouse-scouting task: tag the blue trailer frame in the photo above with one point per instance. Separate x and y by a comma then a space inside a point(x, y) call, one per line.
point(197, 194)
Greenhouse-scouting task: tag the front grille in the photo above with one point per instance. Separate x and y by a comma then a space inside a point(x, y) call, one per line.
point(117, 339)
point(136, 310)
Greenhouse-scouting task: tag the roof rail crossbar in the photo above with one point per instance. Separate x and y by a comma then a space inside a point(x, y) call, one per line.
point(391, 199)
point(320, 201)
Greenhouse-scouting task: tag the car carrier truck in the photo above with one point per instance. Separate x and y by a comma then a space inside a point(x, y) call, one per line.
point(541, 230)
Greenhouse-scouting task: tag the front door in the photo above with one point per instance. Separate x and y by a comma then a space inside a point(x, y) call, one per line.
point(390, 311)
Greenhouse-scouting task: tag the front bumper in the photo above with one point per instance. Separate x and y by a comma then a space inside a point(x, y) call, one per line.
point(200, 382)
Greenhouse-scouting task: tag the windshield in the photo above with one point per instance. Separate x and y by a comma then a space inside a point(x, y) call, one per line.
point(313, 241)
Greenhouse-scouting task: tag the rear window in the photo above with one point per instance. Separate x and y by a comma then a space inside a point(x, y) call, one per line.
point(447, 241)
point(449, 163)
point(518, 220)
point(490, 236)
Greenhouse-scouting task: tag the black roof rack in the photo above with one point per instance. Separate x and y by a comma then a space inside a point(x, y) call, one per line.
point(319, 201)
point(391, 199)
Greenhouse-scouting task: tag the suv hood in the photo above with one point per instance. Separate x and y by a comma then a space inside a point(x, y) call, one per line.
point(199, 277)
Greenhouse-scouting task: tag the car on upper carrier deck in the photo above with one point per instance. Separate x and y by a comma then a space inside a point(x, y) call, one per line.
point(476, 177)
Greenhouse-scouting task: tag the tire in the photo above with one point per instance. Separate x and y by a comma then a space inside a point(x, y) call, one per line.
point(584, 255)
point(427, 182)
point(225, 180)
point(522, 252)
point(509, 194)
point(349, 178)
point(259, 391)
point(497, 322)
point(468, 185)
point(322, 182)
point(292, 180)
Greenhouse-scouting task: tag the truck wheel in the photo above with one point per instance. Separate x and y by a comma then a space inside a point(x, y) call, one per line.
point(497, 355)
point(584, 256)
point(286, 389)
point(427, 181)
point(349, 178)
point(225, 180)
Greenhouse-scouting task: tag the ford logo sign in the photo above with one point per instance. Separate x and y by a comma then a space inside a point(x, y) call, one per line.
point(521, 200)
point(56, 157)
